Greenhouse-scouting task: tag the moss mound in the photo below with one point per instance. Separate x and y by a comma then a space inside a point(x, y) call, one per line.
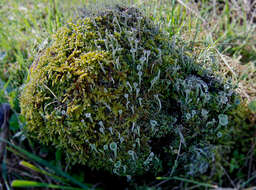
point(113, 93)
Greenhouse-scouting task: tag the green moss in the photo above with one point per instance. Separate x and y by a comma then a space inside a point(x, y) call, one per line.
point(113, 93)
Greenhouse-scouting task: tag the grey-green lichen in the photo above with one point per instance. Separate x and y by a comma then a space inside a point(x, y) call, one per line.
point(113, 93)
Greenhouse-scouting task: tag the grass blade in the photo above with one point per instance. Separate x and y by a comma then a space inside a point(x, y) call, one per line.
point(30, 184)
point(188, 181)
point(36, 169)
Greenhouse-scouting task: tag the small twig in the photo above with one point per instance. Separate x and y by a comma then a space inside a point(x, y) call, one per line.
point(176, 160)
point(229, 178)
point(226, 63)
point(174, 167)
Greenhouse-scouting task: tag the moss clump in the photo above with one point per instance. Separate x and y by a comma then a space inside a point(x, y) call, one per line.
point(113, 93)
point(90, 95)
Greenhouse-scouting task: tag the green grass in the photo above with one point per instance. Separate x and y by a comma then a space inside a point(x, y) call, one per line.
point(220, 35)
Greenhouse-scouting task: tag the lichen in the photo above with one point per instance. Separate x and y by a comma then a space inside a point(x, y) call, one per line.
point(113, 93)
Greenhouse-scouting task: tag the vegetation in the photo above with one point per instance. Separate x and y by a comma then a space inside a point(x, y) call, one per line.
point(130, 91)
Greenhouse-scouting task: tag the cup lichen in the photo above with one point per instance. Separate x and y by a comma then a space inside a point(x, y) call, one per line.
point(111, 86)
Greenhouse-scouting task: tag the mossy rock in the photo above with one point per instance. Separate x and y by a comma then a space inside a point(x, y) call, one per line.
point(114, 93)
